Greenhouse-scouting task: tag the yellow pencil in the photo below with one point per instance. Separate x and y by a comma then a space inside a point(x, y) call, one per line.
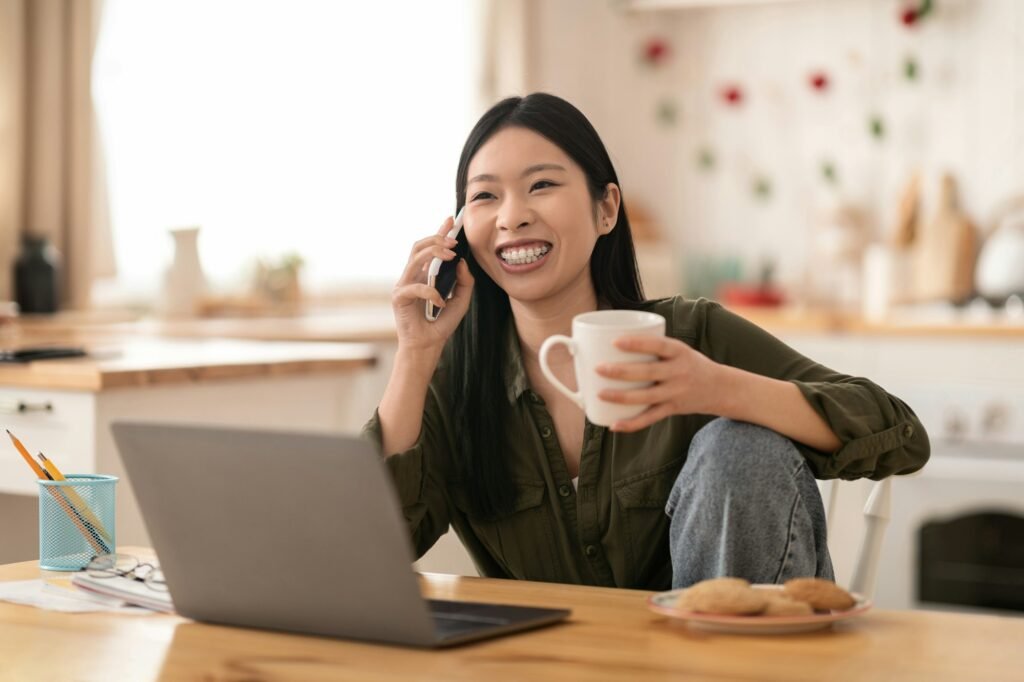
point(90, 537)
point(28, 458)
point(76, 499)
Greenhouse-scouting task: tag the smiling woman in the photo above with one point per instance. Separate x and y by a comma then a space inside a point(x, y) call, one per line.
point(315, 127)
point(714, 475)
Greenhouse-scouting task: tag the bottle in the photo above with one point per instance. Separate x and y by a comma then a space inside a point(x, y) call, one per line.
point(37, 275)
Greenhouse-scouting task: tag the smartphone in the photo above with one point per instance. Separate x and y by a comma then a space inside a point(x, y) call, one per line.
point(441, 273)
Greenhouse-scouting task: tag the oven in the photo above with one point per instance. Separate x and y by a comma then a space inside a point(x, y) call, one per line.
point(955, 540)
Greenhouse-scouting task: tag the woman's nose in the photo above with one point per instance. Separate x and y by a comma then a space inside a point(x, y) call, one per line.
point(514, 215)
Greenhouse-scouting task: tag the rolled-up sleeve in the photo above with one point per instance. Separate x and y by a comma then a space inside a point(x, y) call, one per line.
point(418, 474)
point(879, 434)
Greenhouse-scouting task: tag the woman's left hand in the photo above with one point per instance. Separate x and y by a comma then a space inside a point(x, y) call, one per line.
point(685, 381)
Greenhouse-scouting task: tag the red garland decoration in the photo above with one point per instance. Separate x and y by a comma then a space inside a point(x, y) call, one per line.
point(732, 95)
point(656, 51)
point(819, 80)
point(911, 14)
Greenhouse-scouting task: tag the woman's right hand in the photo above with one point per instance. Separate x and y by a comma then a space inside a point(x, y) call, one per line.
point(409, 297)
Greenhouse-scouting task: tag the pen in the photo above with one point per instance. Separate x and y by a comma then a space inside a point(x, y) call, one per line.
point(82, 506)
point(90, 536)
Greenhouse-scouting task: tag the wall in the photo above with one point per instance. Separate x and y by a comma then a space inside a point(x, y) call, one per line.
point(962, 114)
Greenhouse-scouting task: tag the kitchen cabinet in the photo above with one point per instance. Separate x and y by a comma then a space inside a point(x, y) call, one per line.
point(65, 408)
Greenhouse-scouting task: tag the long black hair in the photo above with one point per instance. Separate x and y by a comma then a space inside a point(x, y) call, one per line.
point(476, 350)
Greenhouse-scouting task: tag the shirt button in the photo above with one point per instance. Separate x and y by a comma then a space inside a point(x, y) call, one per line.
point(908, 430)
point(590, 551)
point(563, 490)
point(546, 432)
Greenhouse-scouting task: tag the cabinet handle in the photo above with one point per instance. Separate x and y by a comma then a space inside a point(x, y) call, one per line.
point(23, 406)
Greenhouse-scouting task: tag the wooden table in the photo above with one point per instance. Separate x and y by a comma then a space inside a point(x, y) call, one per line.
point(611, 636)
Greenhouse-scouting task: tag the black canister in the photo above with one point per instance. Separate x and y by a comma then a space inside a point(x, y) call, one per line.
point(37, 275)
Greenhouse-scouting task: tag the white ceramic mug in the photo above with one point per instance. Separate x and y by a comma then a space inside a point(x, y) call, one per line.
point(592, 344)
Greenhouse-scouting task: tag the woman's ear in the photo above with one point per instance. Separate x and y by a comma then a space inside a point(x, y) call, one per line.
point(608, 209)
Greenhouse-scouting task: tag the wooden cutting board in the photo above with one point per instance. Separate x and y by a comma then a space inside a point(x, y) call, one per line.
point(945, 251)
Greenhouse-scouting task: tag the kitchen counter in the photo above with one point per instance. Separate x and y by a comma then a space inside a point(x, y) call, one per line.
point(375, 324)
point(356, 323)
point(136, 361)
point(907, 323)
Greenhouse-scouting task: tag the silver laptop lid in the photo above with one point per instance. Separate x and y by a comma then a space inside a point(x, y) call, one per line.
point(289, 531)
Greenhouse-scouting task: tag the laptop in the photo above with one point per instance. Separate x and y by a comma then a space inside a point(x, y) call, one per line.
point(298, 532)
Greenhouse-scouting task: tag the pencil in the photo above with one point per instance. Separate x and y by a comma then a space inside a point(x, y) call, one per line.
point(75, 499)
point(28, 458)
point(97, 546)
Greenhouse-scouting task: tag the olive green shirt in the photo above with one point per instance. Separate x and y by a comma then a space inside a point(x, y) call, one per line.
point(613, 530)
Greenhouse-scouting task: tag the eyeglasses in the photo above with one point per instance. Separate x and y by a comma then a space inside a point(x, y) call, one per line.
point(127, 566)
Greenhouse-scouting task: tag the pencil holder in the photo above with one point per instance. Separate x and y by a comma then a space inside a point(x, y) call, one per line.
point(76, 521)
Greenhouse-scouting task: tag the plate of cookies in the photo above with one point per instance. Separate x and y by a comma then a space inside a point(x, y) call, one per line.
point(734, 605)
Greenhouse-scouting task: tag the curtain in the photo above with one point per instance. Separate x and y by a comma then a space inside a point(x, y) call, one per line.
point(11, 68)
point(51, 167)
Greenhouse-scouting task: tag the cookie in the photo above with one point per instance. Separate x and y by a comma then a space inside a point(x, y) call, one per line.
point(723, 596)
point(822, 595)
point(781, 605)
point(692, 594)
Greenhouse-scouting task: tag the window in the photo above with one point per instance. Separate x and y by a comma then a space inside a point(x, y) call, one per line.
point(327, 128)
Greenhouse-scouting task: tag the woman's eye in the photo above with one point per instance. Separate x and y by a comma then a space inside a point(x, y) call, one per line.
point(542, 184)
point(482, 195)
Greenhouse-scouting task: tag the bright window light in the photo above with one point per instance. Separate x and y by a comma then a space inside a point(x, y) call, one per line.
point(327, 128)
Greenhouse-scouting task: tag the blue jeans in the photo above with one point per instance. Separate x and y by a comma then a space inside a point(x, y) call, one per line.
point(745, 504)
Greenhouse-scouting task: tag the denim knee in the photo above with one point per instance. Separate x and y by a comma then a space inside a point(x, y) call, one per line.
point(745, 504)
point(735, 456)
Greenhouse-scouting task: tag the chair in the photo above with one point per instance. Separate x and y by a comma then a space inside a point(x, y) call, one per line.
point(877, 512)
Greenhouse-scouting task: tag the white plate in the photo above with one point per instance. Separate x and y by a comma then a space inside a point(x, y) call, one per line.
point(665, 604)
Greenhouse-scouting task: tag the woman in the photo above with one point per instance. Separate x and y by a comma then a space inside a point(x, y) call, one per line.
point(715, 478)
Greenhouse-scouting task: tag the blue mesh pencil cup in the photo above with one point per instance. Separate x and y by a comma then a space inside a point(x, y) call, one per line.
point(76, 520)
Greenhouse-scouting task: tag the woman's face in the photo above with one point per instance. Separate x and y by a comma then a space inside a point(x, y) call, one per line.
point(529, 217)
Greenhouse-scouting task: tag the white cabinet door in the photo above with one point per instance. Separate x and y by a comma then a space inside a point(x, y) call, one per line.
point(60, 424)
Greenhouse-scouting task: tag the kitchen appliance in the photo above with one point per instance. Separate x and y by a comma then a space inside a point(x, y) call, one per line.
point(1000, 272)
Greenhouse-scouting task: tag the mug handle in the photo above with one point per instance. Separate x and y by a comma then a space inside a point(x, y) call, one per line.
point(545, 347)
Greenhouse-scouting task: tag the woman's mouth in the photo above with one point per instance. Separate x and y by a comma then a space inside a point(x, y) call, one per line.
point(517, 258)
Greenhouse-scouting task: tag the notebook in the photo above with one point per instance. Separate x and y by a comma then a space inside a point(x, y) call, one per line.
point(126, 589)
point(297, 532)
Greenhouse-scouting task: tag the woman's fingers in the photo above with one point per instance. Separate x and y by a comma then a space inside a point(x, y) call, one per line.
point(442, 232)
point(434, 240)
point(435, 247)
point(438, 245)
point(661, 346)
point(635, 371)
point(410, 293)
point(446, 226)
point(635, 396)
point(427, 255)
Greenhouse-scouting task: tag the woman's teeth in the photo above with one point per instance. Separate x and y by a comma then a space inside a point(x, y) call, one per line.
point(524, 256)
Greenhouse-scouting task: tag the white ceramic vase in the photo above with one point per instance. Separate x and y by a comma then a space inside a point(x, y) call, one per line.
point(184, 282)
